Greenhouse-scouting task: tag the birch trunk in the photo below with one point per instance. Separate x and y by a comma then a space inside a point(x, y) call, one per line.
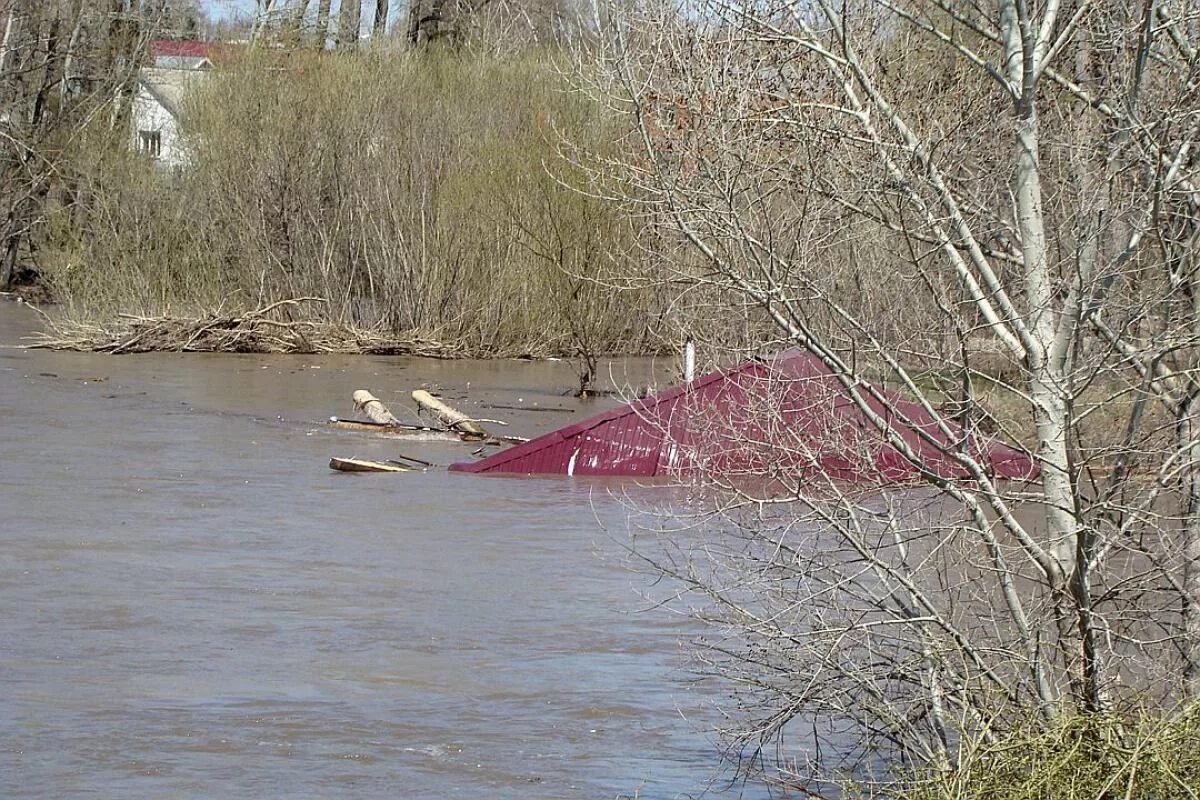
point(10, 23)
point(1189, 434)
point(1048, 384)
point(349, 18)
point(321, 28)
point(69, 77)
point(8, 53)
point(381, 17)
point(295, 23)
point(262, 20)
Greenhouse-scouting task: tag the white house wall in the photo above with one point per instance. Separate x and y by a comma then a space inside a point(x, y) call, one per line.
point(150, 115)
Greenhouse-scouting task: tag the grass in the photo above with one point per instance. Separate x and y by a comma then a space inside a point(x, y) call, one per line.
point(1101, 757)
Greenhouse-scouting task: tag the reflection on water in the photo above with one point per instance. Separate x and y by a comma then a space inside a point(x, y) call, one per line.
point(193, 605)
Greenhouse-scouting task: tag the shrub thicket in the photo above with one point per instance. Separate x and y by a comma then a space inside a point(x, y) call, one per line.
point(415, 194)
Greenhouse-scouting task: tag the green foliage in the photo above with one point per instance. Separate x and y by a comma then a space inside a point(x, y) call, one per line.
point(1079, 758)
point(416, 193)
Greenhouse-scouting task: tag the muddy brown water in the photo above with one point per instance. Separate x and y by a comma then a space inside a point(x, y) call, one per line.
point(193, 605)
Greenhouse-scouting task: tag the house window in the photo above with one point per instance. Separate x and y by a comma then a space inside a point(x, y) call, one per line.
point(150, 142)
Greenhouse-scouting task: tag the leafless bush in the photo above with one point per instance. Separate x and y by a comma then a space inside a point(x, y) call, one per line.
point(991, 207)
point(413, 194)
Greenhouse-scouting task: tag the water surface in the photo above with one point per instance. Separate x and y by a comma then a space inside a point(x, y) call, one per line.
point(193, 605)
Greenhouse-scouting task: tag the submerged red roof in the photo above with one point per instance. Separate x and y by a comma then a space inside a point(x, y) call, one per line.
point(186, 48)
point(788, 413)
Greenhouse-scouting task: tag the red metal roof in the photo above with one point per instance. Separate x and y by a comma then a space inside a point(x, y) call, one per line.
point(787, 413)
point(186, 48)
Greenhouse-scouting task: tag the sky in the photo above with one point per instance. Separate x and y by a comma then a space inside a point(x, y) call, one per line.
point(222, 9)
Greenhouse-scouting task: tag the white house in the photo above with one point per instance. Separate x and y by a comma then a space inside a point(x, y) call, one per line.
point(178, 68)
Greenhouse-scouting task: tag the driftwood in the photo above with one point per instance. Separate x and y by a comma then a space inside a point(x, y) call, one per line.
point(365, 465)
point(402, 429)
point(451, 418)
point(457, 425)
point(285, 326)
point(374, 408)
point(417, 432)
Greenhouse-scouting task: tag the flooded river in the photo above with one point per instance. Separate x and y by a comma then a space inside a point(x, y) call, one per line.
point(193, 605)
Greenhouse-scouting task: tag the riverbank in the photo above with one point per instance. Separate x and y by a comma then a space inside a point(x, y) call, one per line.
point(279, 327)
point(287, 326)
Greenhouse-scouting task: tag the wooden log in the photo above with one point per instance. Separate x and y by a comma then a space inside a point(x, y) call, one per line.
point(381, 427)
point(402, 430)
point(448, 416)
point(365, 465)
point(374, 408)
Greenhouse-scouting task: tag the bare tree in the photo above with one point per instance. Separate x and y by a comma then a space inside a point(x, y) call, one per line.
point(993, 207)
point(62, 63)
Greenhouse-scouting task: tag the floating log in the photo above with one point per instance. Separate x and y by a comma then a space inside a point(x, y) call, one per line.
point(374, 408)
point(365, 465)
point(395, 431)
point(451, 418)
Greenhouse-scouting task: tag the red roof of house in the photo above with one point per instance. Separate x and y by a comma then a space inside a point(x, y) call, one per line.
point(787, 413)
point(186, 48)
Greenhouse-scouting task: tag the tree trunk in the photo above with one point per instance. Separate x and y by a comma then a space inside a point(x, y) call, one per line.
point(349, 17)
point(381, 19)
point(1070, 542)
point(321, 29)
point(414, 21)
point(1189, 436)
point(1050, 409)
point(10, 24)
point(295, 23)
point(9, 54)
point(1188, 432)
point(8, 262)
point(69, 78)
point(262, 20)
